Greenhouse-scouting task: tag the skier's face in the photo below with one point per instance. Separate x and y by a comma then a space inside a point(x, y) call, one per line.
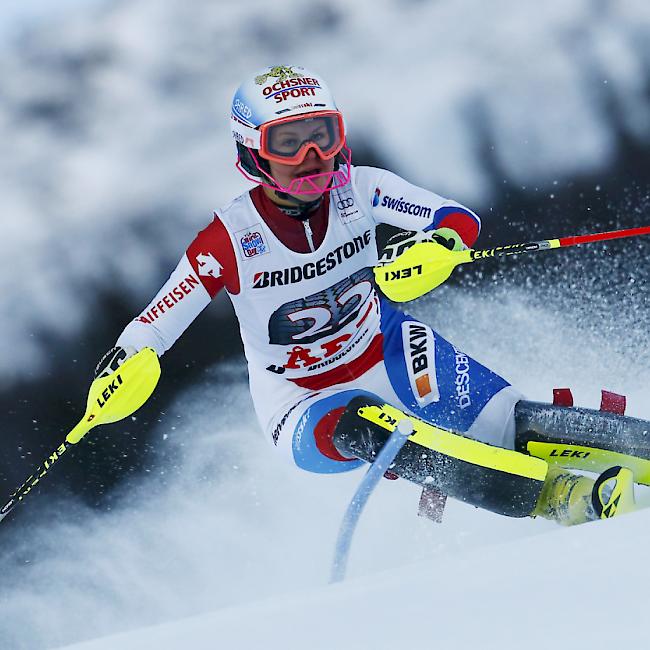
point(312, 164)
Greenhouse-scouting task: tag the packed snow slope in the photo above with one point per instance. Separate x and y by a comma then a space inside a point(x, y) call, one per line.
point(581, 588)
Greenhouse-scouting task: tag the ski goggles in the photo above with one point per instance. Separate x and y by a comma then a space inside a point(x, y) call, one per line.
point(289, 139)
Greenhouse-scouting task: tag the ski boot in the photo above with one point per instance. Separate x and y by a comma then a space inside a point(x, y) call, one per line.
point(613, 493)
point(503, 481)
point(571, 499)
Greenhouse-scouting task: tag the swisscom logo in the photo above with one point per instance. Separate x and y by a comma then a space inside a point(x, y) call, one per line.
point(375, 198)
point(400, 205)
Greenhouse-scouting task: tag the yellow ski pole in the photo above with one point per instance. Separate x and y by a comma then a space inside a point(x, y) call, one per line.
point(110, 399)
point(422, 268)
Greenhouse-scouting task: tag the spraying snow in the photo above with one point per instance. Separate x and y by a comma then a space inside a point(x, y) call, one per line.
point(223, 523)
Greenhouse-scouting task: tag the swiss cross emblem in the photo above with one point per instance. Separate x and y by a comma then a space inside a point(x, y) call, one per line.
point(208, 265)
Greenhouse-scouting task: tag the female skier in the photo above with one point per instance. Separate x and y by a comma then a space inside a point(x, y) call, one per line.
point(295, 255)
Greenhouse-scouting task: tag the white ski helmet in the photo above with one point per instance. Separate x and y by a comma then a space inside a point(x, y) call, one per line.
point(277, 96)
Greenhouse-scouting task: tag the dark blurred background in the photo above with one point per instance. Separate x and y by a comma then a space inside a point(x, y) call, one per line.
point(116, 149)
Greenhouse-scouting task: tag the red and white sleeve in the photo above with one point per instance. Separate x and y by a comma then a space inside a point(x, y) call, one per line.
point(208, 266)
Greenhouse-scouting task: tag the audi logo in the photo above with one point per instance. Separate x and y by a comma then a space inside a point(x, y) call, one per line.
point(345, 203)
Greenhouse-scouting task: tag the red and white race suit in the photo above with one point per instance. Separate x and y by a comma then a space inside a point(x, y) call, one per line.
point(303, 292)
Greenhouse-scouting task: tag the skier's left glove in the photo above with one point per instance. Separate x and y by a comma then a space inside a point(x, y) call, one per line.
point(409, 266)
point(449, 238)
point(401, 241)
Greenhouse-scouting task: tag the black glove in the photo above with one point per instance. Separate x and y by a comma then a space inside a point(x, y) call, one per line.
point(400, 242)
point(112, 360)
point(448, 238)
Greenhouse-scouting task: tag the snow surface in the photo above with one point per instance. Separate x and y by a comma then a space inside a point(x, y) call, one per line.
point(575, 588)
point(116, 123)
point(223, 526)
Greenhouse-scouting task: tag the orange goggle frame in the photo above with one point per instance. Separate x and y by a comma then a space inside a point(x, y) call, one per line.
point(275, 141)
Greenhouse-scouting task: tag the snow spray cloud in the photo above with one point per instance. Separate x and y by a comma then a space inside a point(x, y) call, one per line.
point(223, 521)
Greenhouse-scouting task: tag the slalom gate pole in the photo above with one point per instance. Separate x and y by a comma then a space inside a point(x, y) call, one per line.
point(370, 480)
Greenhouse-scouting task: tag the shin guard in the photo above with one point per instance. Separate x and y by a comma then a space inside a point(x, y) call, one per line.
point(500, 480)
point(585, 439)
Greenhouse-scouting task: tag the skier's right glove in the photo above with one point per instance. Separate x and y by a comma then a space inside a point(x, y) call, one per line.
point(113, 359)
point(124, 381)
